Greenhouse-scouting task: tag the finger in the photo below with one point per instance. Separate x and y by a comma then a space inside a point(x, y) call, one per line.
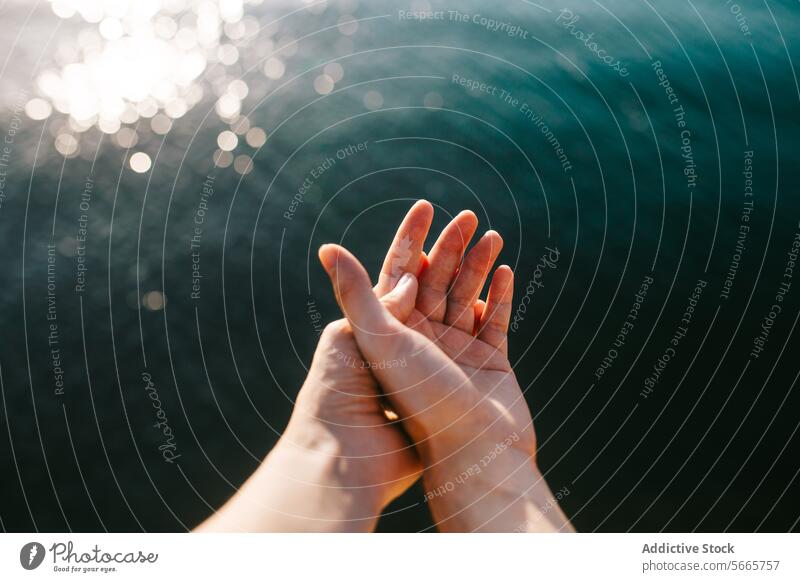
point(380, 336)
point(404, 253)
point(423, 264)
point(493, 326)
point(400, 300)
point(354, 293)
point(480, 305)
point(469, 281)
point(443, 260)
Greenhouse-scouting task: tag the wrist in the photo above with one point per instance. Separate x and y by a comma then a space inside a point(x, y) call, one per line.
point(472, 491)
point(317, 462)
point(300, 487)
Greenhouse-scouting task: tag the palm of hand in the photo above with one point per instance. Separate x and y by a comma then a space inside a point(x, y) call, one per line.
point(458, 381)
point(471, 382)
point(458, 395)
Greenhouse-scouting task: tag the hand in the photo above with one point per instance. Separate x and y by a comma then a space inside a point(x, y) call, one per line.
point(458, 397)
point(340, 461)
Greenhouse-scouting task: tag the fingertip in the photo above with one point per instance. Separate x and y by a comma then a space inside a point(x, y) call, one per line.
point(465, 224)
point(408, 279)
point(467, 216)
point(495, 242)
point(328, 254)
point(418, 221)
point(400, 300)
point(421, 212)
point(506, 270)
point(421, 205)
point(338, 261)
point(421, 215)
point(493, 234)
point(503, 279)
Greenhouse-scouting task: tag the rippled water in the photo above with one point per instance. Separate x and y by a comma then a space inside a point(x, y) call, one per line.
point(623, 139)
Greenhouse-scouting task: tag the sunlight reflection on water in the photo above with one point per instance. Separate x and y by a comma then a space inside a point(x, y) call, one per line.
point(138, 66)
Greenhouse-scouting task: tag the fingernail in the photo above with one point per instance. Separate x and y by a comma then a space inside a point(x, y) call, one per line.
point(322, 260)
point(406, 279)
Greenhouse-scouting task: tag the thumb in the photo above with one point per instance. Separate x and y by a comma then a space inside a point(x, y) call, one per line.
point(353, 290)
point(401, 300)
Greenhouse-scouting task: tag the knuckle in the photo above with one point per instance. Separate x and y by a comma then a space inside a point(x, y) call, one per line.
point(335, 328)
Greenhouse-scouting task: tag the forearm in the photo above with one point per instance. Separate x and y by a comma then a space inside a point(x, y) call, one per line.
point(510, 495)
point(298, 489)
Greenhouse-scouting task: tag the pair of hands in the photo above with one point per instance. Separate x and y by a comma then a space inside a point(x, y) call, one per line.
point(423, 347)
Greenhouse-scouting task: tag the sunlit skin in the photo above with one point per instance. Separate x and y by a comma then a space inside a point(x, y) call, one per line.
point(458, 397)
point(354, 461)
point(340, 462)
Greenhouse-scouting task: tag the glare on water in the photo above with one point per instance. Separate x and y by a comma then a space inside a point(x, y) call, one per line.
point(146, 63)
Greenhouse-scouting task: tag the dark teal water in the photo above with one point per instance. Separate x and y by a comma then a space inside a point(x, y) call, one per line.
point(632, 170)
